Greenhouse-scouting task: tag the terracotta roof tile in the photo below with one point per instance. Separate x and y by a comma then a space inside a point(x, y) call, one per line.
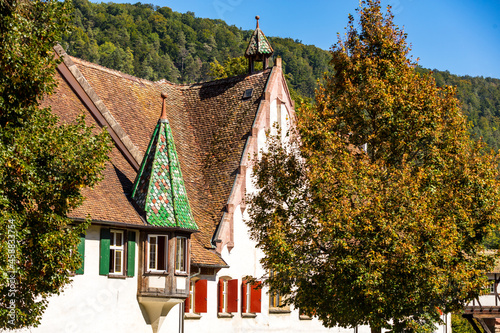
point(210, 123)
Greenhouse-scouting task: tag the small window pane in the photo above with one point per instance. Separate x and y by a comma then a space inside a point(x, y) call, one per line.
point(162, 263)
point(112, 260)
point(119, 239)
point(152, 253)
point(118, 262)
point(180, 262)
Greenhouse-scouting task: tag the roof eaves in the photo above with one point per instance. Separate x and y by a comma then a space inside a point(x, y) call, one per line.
point(97, 107)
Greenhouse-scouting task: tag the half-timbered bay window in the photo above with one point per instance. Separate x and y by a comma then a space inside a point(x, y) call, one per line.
point(251, 298)
point(227, 296)
point(157, 253)
point(117, 252)
point(196, 303)
point(181, 255)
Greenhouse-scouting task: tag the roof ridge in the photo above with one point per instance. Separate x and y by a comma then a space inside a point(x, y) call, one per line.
point(225, 80)
point(112, 71)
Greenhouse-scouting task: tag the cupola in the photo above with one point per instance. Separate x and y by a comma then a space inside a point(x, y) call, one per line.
point(259, 49)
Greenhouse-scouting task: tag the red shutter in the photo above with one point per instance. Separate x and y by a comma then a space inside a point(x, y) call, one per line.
point(232, 295)
point(243, 296)
point(255, 297)
point(200, 296)
point(220, 299)
point(186, 304)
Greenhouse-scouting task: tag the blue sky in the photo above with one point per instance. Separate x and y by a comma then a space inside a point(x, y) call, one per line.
point(462, 36)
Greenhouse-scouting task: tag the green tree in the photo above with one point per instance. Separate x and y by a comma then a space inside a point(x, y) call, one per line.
point(460, 324)
point(44, 164)
point(231, 67)
point(378, 218)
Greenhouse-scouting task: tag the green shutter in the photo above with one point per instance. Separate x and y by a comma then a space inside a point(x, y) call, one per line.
point(104, 257)
point(131, 253)
point(81, 251)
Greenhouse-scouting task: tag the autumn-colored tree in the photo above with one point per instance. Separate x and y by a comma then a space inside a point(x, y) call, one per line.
point(43, 164)
point(378, 217)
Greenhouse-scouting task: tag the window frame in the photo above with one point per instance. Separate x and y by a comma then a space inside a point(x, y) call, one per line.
point(492, 287)
point(149, 269)
point(251, 298)
point(196, 303)
point(181, 257)
point(113, 248)
point(128, 259)
point(276, 304)
point(227, 298)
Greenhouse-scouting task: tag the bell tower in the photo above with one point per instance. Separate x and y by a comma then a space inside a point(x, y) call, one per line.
point(259, 49)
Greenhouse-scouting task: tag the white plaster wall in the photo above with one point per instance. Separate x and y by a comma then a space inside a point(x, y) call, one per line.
point(95, 303)
point(261, 142)
point(273, 116)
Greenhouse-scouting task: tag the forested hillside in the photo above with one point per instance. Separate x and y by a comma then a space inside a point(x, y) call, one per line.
point(480, 98)
point(157, 43)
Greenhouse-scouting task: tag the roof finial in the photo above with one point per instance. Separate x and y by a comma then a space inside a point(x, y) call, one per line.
point(164, 107)
point(257, 18)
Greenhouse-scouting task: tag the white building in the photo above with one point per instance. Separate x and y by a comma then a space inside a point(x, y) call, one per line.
point(148, 248)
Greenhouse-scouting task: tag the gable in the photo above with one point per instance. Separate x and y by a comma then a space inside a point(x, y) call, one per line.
point(210, 124)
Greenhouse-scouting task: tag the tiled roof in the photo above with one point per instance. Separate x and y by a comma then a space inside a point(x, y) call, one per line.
point(159, 187)
point(210, 123)
point(258, 44)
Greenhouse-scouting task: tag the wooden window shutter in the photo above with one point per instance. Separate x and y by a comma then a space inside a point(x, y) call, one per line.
point(187, 304)
point(220, 299)
point(232, 295)
point(104, 256)
point(81, 252)
point(243, 296)
point(200, 296)
point(255, 297)
point(130, 253)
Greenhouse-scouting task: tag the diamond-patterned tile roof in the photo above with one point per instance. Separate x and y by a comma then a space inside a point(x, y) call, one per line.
point(258, 44)
point(159, 189)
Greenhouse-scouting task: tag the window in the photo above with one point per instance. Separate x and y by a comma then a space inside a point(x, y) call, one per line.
point(276, 304)
point(228, 296)
point(157, 252)
point(251, 297)
point(181, 255)
point(492, 287)
point(197, 300)
point(247, 93)
point(275, 300)
point(117, 252)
